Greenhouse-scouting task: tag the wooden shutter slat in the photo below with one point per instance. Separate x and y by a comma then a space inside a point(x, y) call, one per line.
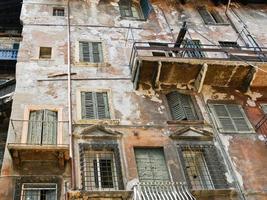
point(84, 52)
point(102, 105)
point(175, 106)
point(35, 127)
point(88, 111)
point(218, 18)
point(49, 135)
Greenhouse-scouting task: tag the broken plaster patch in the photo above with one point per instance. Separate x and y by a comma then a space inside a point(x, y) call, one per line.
point(253, 95)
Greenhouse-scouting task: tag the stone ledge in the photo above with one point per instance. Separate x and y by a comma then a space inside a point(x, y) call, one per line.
point(100, 195)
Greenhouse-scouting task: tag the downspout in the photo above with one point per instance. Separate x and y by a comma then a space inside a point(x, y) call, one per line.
point(71, 144)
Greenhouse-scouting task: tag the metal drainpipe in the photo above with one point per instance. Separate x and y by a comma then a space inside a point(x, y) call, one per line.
point(71, 145)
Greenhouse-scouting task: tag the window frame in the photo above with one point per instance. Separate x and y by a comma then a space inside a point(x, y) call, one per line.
point(46, 57)
point(216, 172)
point(55, 11)
point(194, 103)
point(264, 108)
point(211, 13)
point(132, 5)
point(218, 123)
point(94, 121)
point(26, 118)
point(108, 146)
point(91, 52)
point(36, 189)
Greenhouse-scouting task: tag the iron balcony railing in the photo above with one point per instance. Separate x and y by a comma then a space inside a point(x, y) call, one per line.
point(261, 126)
point(197, 51)
point(6, 91)
point(161, 191)
point(8, 54)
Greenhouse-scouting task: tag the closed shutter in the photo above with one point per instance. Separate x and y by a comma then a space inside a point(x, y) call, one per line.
point(49, 127)
point(206, 16)
point(97, 52)
point(146, 8)
point(95, 105)
point(216, 167)
point(88, 107)
point(102, 105)
point(35, 127)
point(230, 118)
point(84, 51)
point(151, 165)
point(181, 106)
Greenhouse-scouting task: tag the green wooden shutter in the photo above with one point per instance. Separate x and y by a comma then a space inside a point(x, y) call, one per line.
point(223, 118)
point(206, 16)
point(35, 127)
point(146, 8)
point(151, 165)
point(196, 45)
point(84, 51)
point(88, 108)
point(181, 106)
point(125, 8)
point(230, 118)
point(238, 117)
point(97, 52)
point(102, 105)
point(49, 135)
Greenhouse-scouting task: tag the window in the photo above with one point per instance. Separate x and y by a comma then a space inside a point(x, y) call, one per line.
point(42, 127)
point(211, 16)
point(39, 191)
point(181, 106)
point(230, 118)
point(264, 108)
point(100, 165)
point(58, 12)
point(202, 167)
point(95, 105)
point(227, 44)
point(45, 52)
point(196, 45)
point(133, 10)
point(151, 165)
point(91, 52)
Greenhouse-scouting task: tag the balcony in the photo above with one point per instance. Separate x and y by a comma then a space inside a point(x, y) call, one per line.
point(8, 54)
point(165, 66)
point(38, 147)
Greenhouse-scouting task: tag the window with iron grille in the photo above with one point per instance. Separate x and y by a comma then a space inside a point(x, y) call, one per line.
point(100, 165)
point(211, 17)
point(181, 106)
point(42, 128)
point(95, 105)
point(151, 164)
point(231, 118)
point(134, 10)
point(91, 52)
point(203, 168)
point(58, 11)
point(195, 44)
point(228, 44)
point(39, 191)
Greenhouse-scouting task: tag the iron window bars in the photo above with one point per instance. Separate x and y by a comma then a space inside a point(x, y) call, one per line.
point(203, 168)
point(100, 167)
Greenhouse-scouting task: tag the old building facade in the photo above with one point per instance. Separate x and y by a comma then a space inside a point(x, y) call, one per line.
point(149, 99)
